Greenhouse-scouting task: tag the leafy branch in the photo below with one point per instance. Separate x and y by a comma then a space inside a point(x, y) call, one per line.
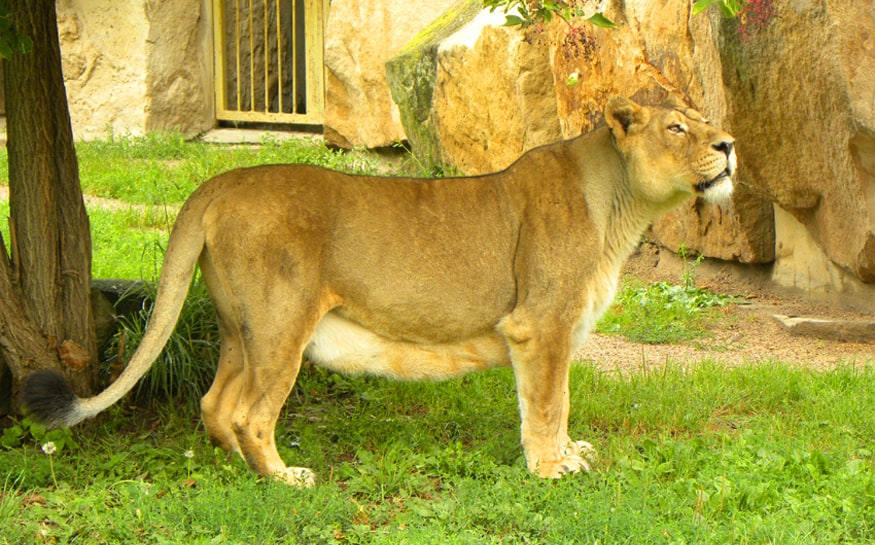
point(524, 13)
point(729, 8)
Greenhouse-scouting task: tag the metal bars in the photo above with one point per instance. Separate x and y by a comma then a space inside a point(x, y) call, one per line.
point(268, 60)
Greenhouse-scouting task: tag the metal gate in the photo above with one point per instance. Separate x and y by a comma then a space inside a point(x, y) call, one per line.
point(269, 66)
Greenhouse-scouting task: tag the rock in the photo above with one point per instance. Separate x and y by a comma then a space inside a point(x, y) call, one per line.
point(179, 72)
point(743, 232)
point(493, 96)
point(103, 54)
point(130, 69)
point(807, 138)
point(802, 266)
point(849, 331)
point(360, 37)
point(473, 94)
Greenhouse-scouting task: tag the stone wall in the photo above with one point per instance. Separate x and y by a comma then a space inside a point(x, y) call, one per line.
point(133, 67)
point(797, 90)
point(801, 95)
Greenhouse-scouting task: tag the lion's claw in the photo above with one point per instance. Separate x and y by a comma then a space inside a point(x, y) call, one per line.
point(296, 476)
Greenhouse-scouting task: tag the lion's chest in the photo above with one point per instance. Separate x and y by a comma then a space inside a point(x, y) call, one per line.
point(600, 294)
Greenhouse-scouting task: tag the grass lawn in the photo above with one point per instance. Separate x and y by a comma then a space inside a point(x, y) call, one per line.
point(693, 453)
point(758, 454)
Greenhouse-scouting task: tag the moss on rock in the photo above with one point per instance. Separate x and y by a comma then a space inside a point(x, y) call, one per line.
point(412, 73)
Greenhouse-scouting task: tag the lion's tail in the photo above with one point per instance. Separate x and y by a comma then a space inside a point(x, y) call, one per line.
point(47, 394)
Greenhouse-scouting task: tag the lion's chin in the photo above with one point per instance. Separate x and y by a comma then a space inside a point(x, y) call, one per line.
point(718, 190)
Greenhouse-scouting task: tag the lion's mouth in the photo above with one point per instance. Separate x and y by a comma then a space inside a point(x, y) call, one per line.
point(705, 186)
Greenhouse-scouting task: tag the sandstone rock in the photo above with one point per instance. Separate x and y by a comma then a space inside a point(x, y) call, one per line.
point(473, 94)
point(132, 68)
point(493, 98)
point(802, 266)
point(179, 69)
point(103, 54)
point(360, 37)
point(801, 92)
point(849, 331)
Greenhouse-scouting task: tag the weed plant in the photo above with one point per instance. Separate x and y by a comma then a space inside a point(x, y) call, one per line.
point(662, 312)
point(187, 364)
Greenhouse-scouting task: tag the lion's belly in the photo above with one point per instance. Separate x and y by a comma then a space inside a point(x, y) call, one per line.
point(345, 346)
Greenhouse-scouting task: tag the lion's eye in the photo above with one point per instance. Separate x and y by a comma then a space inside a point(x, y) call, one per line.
point(677, 128)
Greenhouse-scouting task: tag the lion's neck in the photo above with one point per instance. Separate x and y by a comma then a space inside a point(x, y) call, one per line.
point(628, 218)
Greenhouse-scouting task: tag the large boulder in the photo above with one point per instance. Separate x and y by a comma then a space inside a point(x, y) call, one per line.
point(474, 94)
point(800, 93)
point(360, 37)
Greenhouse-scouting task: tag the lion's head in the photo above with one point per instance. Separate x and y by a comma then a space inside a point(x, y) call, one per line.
point(672, 152)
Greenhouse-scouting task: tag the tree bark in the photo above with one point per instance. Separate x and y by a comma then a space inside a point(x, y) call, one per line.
point(45, 277)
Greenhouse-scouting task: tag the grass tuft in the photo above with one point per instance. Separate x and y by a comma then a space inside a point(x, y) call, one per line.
point(664, 313)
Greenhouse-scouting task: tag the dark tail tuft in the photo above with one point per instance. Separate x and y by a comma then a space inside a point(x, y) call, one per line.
point(49, 398)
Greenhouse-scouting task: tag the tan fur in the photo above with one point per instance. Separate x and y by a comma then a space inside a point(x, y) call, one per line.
point(424, 279)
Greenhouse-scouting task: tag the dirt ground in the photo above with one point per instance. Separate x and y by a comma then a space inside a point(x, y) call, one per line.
point(745, 332)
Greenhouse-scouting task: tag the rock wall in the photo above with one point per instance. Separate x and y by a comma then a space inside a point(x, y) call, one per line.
point(132, 67)
point(806, 143)
point(103, 53)
point(801, 93)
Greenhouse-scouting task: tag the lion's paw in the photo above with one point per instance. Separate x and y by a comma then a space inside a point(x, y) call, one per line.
point(296, 476)
point(576, 456)
point(583, 450)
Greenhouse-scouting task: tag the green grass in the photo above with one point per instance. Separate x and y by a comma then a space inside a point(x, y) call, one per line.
point(698, 454)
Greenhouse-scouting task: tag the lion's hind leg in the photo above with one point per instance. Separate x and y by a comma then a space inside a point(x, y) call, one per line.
point(273, 345)
point(218, 405)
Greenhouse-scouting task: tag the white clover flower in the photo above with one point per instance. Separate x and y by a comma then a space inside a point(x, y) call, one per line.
point(49, 448)
point(189, 454)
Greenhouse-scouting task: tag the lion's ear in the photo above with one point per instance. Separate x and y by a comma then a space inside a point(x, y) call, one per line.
point(624, 116)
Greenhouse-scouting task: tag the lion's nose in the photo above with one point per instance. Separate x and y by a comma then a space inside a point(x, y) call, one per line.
point(725, 146)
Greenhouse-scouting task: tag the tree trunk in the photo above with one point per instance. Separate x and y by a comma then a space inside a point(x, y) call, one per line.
point(45, 277)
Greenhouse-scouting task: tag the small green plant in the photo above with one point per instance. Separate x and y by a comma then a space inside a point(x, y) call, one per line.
point(661, 312)
point(28, 431)
point(524, 13)
point(186, 366)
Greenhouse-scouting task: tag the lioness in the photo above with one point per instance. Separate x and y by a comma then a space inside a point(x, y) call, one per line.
point(416, 279)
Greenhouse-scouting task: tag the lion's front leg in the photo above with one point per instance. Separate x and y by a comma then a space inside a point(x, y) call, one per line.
point(540, 356)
